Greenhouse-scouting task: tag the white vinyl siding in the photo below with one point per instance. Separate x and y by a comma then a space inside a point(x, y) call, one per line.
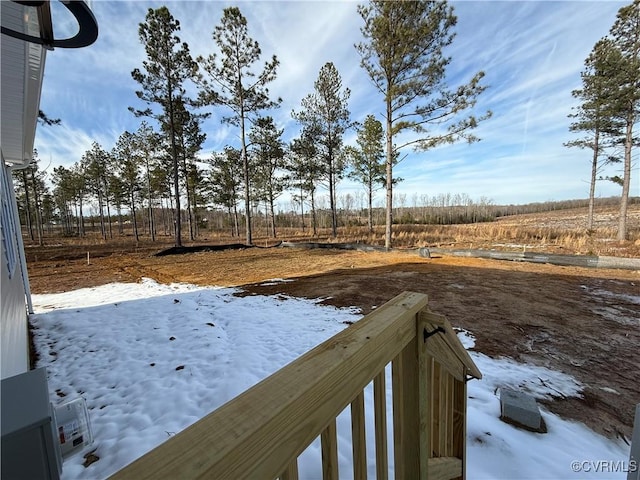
point(7, 224)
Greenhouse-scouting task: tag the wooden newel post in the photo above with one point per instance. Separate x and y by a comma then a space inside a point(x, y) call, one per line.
point(406, 412)
point(425, 384)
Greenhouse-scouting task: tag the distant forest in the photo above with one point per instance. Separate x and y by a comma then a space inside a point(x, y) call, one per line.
point(113, 221)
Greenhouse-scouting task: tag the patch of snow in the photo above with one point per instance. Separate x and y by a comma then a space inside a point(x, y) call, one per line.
point(466, 338)
point(275, 281)
point(120, 346)
point(616, 307)
point(610, 390)
point(635, 299)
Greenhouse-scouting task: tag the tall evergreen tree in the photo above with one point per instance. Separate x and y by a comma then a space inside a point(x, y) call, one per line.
point(403, 55)
point(63, 196)
point(225, 182)
point(305, 172)
point(168, 66)
point(233, 83)
point(30, 191)
point(94, 166)
point(625, 35)
point(325, 113)
point(367, 161)
point(127, 161)
point(268, 155)
point(594, 115)
point(148, 143)
point(190, 139)
point(70, 191)
point(40, 190)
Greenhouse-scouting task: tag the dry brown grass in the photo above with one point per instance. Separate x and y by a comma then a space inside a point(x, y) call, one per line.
point(553, 232)
point(559, 231)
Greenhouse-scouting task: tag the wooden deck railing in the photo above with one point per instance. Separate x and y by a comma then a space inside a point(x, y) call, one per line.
point(261, 433)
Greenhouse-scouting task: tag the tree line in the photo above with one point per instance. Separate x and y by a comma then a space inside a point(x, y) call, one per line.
point(156, 174)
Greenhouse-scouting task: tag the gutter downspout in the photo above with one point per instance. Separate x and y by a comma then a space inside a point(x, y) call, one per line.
point(23, 259)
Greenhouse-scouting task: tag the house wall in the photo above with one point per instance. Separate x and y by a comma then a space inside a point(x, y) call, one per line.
point(14, 342)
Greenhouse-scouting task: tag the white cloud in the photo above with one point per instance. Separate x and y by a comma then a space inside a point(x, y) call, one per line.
point(531, 52)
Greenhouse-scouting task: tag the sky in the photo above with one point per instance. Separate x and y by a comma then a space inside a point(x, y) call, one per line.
point(150, 359)
point(532, 53)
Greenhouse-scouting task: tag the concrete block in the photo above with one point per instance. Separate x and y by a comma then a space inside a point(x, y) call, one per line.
point(521, 410)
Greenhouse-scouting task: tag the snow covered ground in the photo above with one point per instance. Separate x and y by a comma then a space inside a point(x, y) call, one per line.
point(150, 359)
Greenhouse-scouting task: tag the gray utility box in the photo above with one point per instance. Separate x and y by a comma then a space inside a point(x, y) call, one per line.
point(520, 409)
point(29, 443)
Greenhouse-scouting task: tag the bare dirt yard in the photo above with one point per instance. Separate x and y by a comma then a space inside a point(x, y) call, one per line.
point(584, 322)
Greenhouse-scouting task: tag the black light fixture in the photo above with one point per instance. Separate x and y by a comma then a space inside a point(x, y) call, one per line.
point(87, 33)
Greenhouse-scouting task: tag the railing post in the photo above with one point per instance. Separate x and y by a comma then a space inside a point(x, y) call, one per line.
point(406, 411)
point(425, 386)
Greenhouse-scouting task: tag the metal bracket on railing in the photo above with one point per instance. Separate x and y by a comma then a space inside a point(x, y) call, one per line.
point(429, 334)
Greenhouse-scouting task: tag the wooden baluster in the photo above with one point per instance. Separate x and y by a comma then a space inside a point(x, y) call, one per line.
point(426, 404)
point(329, 441)
point(436, 397)
point(442, 413)
point(450, 407)
point(380, 410)
point(459, 423)
point(358, 439)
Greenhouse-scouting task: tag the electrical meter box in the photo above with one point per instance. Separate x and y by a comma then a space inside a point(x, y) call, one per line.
point(29, 440)
point(73, 427)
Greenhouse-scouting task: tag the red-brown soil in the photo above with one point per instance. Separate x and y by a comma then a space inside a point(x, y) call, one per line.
point(547, 315)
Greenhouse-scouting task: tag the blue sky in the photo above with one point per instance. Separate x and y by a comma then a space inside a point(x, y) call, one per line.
point(532, 54)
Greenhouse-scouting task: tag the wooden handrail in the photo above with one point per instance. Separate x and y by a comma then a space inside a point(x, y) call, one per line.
point(260, 433)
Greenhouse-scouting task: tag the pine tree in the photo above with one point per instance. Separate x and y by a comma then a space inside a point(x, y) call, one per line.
point(594, 115)
point(225, 179)
point(127, 161)
point(94, 167)
point(168, 66)
point(325, 113)
point(403, 55)
point(625, 35)
point(233, 83)
point(70, 191)
point(189, 139)
point(305, 172)
point(367, 161)
point(268, 160)
point(147, 141)
point(30, 191)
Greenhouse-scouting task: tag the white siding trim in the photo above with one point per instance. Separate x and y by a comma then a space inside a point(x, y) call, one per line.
point(7, 223)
